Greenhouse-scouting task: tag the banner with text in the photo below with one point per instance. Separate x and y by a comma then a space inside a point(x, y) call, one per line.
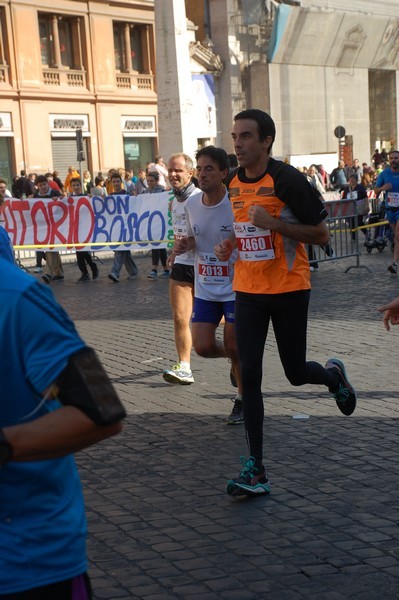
point(116, 222)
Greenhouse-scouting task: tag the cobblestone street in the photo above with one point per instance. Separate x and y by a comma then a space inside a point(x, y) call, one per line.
point(160, 523)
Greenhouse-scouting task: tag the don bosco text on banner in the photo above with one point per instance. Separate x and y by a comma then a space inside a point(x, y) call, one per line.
point(115, 222)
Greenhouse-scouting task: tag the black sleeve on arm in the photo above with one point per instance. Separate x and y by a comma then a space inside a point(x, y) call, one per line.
point(230, 176)
point(85, 384)
point(292, 188)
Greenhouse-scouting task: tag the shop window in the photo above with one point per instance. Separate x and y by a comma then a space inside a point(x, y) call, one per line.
point(6, 159)
point(138, 152)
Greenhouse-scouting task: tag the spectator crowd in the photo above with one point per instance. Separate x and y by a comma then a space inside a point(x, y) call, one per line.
point(351, 181)
point(152, 179)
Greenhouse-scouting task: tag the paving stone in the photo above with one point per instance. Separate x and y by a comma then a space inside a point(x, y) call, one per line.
point(111, 592)
point(161, 526)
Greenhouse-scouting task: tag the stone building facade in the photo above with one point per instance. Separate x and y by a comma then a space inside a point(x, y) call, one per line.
point(88, 65)
point(314, 65)
point(130, 75)
point(93, 66)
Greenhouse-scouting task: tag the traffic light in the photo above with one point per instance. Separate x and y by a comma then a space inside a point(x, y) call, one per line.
point(79, 145)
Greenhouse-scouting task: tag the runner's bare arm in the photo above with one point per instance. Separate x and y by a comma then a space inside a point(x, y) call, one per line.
point(57, 433)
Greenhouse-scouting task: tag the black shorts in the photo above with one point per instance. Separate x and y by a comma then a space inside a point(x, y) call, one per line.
point(184, 273)
point(78, 588)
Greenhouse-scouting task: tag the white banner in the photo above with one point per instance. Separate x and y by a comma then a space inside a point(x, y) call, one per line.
point(116, 222)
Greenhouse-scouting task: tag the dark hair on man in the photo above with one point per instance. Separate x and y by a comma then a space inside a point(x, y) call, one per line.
point(393, 152)
point(23, 173)
point(264, 122)
point(41, 179)
point(74, 179)
point(233, 162)
point(154, 175)
point(3, 181)
point(48, 175)
point(99, 180)
point(116, 175)
point(218, 155)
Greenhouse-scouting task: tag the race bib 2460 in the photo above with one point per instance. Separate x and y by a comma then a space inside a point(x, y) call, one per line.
point(253, 243)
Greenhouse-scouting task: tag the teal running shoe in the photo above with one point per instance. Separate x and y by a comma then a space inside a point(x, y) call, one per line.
point(252, 480)
point(345, 395)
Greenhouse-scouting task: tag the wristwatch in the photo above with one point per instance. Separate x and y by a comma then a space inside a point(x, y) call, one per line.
point(6, 451)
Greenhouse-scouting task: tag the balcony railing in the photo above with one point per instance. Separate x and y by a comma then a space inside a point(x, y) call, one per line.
point(135, 82)
point(64, 78)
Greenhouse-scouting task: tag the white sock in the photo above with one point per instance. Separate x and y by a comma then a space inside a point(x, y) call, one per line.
point(185, 365)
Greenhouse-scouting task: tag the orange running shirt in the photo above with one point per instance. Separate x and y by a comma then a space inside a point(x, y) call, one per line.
point(268, 262)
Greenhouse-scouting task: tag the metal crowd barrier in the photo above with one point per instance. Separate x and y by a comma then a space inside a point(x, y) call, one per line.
point(344, 234)
point(31, 254)
point(25, 257)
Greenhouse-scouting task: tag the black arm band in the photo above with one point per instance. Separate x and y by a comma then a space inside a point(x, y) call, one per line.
point(85, 384)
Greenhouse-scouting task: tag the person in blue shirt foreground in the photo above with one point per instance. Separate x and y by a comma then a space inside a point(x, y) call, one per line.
point(55, 399)
point(6, 249)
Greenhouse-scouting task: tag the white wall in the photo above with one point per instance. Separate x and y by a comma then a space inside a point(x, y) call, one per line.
point(174, 86)
point(307, 103)
point(375, 7)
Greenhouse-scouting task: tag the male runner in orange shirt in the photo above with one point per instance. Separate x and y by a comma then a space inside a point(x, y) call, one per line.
point(276, 211)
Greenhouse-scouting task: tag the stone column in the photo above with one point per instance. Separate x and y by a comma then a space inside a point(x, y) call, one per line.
point(2, 58)
point(56, 42)
point(230, 97)
point(128, 50)
point(147, 53)
point(173, 79)
point(77, 45)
